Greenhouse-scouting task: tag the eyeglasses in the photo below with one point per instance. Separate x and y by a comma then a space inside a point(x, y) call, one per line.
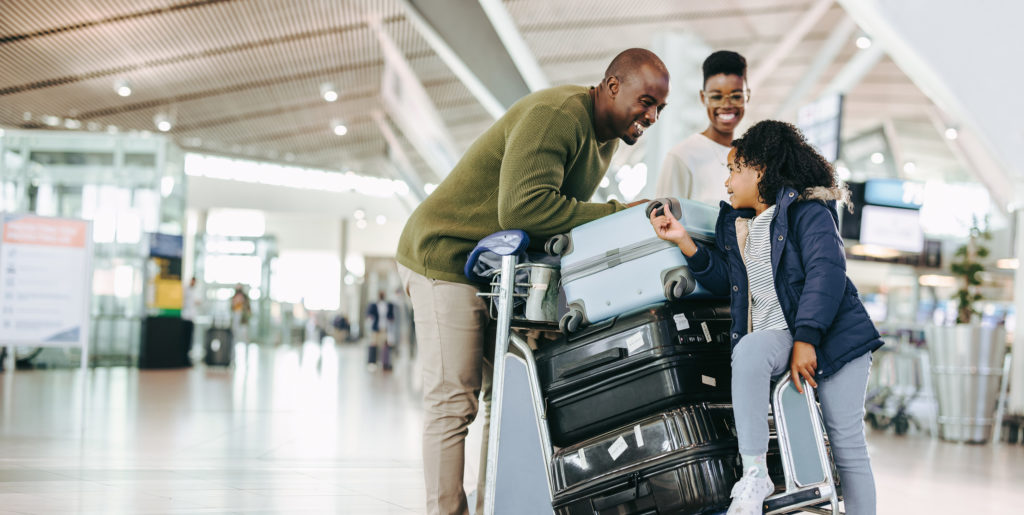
point(718, 99)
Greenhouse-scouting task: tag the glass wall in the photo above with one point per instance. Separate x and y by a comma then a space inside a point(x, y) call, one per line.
point(128, 185)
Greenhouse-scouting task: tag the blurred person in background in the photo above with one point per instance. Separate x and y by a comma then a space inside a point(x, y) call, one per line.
point(535, 169)
point(697, 166)
point(241, 311)
point(380, 315)
point(191, 302)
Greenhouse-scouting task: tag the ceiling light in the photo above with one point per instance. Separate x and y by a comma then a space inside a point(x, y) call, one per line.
point(877, 158)
point(361, 224)
point(359, 214)
point(381, 220)
point(339, 127)
point(952, 133)
point(162, 122)
point(605, 182)
point(71, 123)
point(123, 88)
point(909, 167)
point(863, 42)
point(429, 188)
point(328, 92)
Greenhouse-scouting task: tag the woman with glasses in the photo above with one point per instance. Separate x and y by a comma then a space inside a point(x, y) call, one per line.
point(697, 166)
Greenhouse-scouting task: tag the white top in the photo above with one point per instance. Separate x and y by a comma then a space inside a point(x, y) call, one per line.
point(190, 302)
point(765, 311)
point(696, 168)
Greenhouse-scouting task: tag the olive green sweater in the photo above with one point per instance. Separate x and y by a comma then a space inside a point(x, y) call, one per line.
point(534, 170)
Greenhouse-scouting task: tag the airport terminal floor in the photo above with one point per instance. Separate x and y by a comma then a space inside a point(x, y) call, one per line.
point(309, 429)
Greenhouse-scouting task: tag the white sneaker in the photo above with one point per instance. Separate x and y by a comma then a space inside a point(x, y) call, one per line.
point(749, 493)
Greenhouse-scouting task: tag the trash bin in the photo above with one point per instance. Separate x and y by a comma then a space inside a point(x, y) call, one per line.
point(967, 368)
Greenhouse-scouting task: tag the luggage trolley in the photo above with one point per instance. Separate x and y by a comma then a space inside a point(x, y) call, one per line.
point(519, 472)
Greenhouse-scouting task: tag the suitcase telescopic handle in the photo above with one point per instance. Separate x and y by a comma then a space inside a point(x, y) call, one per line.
point(602, 358)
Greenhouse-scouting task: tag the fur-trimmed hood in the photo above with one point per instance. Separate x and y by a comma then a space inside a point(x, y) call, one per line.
point(840, 193)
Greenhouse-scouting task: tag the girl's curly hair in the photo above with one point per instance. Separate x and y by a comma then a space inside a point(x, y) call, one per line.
point(780, 150)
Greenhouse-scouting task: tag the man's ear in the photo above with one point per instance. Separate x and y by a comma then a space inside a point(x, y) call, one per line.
point(613, 86)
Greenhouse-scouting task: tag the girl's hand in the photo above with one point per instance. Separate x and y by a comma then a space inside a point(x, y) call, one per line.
point(803, 364)
point(669, 229)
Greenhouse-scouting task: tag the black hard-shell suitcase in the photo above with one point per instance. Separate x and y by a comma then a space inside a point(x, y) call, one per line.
point(703, 322)
point(627, 368)
point(681, 461)
point(218, 346)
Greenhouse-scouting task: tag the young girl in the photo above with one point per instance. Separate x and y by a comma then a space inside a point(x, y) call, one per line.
point(780, 257)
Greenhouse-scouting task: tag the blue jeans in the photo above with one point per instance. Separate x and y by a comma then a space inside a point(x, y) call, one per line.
point(762, 355)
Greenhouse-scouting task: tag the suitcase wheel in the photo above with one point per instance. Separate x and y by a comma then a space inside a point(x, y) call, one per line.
point(679, 285)
point(557, 244)
point(571, 321)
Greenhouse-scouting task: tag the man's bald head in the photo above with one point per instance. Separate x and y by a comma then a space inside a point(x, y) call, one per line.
point(630, 61)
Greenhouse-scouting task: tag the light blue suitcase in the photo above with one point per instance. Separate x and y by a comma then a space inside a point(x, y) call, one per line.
point(617, 264)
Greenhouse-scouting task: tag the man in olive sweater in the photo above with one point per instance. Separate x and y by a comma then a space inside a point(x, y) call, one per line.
point(534, 170)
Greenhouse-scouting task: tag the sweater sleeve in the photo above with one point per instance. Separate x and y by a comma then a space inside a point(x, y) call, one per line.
point(533, 168)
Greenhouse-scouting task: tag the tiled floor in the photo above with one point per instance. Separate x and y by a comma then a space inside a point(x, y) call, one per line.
point(305, 430)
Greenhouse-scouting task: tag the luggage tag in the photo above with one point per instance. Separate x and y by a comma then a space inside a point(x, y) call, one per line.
point(682, 323)
point(707, 332)
point(617, 448)
point(639, 435)
point(634, 343)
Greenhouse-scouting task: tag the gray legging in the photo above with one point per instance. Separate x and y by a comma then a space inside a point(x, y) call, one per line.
point(761, 355)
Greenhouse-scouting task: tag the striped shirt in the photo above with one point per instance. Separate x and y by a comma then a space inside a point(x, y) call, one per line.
point(765, 311)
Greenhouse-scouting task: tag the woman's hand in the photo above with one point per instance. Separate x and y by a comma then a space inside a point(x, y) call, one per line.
point(803, 364)
point(669, 229)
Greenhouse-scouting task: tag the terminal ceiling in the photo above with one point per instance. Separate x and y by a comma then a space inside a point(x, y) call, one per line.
point(243, 78)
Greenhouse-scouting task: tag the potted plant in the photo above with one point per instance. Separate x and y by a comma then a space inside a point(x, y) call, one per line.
point(967, 357)
point(968, 268)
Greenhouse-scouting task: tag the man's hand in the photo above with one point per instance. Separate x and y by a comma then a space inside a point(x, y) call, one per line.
point(669, 229)
point(637, 203)
point(803, 364)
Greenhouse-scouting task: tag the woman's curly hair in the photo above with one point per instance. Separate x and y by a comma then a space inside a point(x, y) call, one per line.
point(780, 150)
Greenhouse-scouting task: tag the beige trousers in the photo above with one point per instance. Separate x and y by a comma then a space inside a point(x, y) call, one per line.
point(455, 342)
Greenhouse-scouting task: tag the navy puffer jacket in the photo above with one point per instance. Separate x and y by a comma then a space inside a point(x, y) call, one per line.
point(818, 299)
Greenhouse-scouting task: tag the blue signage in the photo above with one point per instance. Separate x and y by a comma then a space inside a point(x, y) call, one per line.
point(165, 245)
point(894, 193)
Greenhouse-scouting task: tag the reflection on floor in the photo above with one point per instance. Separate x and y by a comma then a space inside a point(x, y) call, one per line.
point(310, 430)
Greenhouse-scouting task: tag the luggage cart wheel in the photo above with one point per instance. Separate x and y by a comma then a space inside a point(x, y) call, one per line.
point(557, 244)
point(571, 321)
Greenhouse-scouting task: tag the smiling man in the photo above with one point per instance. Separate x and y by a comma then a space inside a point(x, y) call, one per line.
point(697, 167)
point(535, 169)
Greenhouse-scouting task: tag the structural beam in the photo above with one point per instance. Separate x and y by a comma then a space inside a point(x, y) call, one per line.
point(476, 49)
point(854, 71)
point(789, 42)
point(515, 45)
point(402, 165)
point(410, 107)
point(825, 57)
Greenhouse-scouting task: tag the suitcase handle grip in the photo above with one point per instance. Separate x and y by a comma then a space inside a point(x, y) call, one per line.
point(603, 358)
